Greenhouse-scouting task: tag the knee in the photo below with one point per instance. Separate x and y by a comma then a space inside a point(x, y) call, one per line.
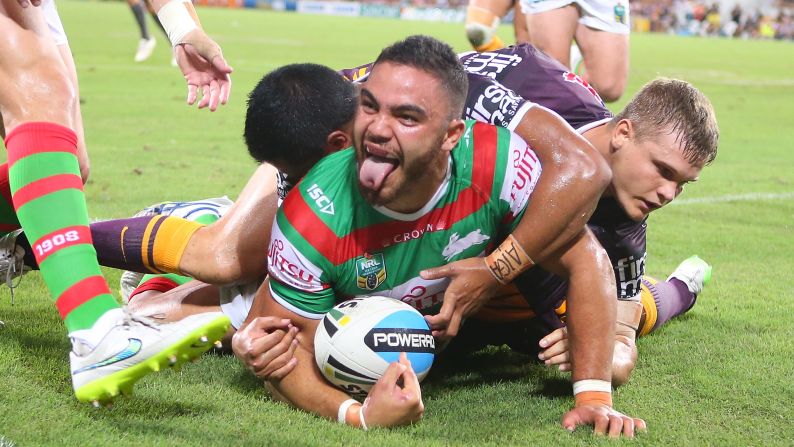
point(610, 89)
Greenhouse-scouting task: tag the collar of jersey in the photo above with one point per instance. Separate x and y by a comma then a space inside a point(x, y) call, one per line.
point(442, 189)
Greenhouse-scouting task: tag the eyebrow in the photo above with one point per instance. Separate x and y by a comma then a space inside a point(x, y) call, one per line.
point(398, 109)
point(677, 173)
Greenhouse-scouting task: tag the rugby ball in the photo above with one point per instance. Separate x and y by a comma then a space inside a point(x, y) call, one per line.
point(357, 340)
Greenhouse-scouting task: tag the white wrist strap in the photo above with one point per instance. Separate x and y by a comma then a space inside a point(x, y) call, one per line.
point(341, 415)
point(176, 20)
point(591, 385)
point(361, 418)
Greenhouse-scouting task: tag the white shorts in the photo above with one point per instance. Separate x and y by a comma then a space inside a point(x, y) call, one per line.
point(54, 22)
point(611, 16)
point(236, 301)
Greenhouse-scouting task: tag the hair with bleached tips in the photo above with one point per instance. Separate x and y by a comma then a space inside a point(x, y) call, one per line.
point(435, 57)
point(673, 106)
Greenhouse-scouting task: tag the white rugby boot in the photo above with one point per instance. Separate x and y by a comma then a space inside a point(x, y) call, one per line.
point(132, 347)
point(145, 49)
point(694, 272)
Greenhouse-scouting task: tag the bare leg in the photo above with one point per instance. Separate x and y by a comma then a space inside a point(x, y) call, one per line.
point(77, 117)
point(552, 31)
point(606, 57)
point(188, 299)
point(235, 247)
point(520, 29)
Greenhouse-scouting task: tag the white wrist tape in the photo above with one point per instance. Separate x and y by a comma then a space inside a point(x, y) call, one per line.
point(591, 385)
point(341, 415)
point(361, 418)
point(176, 20)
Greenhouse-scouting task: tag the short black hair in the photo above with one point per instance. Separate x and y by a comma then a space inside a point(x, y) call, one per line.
point(292, 110)
point(435, 57)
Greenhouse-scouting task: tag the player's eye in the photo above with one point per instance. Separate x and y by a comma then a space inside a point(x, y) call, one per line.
point(408, 120)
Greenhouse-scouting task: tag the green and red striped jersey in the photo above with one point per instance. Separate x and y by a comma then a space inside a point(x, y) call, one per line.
point(328, 244)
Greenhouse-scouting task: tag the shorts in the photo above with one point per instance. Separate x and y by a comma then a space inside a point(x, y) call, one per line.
point(54, 22)
point(611, 16)
point(236, 301)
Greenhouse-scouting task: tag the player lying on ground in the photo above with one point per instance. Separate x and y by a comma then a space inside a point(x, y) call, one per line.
point(416, 165)
point(624, 238)
point(42, 187)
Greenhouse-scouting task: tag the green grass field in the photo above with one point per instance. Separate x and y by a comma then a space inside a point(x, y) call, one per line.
point(720, 375)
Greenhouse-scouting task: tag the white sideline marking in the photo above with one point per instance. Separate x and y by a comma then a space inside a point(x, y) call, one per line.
point(749, 197)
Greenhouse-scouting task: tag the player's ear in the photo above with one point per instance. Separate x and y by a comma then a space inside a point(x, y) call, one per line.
point(622, 133)
point(337, 140)
point(453, 135)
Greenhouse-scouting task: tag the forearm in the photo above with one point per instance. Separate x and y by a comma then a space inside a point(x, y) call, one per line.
point(591, 311)
point(574, 177)
point(306, 389)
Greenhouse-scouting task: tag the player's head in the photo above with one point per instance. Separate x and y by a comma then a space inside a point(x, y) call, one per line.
point(659, 143)
point(408, 121)
point(297, 114)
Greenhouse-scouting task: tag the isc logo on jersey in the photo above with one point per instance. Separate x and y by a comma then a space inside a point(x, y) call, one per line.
point(323, 202)
point(357, 340)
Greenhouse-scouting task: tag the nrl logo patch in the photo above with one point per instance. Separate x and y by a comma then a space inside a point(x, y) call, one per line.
point(370, 271)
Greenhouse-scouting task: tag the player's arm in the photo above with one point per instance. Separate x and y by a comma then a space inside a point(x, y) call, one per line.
point(591, 322)
point(234, 248)
point(574, 176)
point(394, 400)
point(199, 57)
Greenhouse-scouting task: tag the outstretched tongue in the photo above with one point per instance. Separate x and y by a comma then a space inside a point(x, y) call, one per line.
point(373, 171)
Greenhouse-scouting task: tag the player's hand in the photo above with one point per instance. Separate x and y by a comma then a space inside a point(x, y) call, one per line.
point(205, 69)
point(266, 346)
point(471, 286)
point(396, 398)
point(554, 349)
point(605, 420)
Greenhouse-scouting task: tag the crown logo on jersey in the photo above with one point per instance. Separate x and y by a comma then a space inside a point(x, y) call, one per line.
point(370, 271)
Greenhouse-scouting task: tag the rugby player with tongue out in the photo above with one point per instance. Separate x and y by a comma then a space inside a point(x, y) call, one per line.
point(402, 135)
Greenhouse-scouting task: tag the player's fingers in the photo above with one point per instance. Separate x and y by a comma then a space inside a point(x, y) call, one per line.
point(284, 370)
point(215, 92)
point(559, 348)
point(438, 272)
point(454, 323)
point(564, 367)
point(554, 337)
point(278, 362)
point(557, 359)
point(640, 425)
point(220, 64)
point(392, 374)
point(267, 343)
point(600, 424)
point(571, 419)
point(267, 324)
point(192, 93)
point(205, 96)
point(615, 426)
point(628, 427)
point(226, 88)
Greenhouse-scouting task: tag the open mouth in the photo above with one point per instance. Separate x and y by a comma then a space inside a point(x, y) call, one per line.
point(377, 165)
